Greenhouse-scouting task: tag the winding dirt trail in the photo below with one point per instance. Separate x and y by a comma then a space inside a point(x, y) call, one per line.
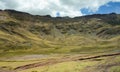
point(53, 61)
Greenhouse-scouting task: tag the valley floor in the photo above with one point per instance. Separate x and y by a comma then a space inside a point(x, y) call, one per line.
point(101, 62)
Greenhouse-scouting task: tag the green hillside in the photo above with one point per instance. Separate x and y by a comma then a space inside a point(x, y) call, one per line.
point(33, 43)
point(25, 33)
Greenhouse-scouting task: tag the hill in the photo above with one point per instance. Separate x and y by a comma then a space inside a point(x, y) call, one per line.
point(22, 32)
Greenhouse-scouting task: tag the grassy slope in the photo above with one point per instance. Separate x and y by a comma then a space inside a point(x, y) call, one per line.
point(22, 33)
point(93, 65)
point(68, 45)
point(18, 39)
point(110, 64)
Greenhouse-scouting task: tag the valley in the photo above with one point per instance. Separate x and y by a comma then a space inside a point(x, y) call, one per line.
point(33, 43)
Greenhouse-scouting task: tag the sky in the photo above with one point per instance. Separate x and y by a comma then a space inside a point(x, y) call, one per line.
point(71, 8)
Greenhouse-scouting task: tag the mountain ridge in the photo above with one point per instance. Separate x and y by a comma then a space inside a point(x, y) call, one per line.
point(21, 31)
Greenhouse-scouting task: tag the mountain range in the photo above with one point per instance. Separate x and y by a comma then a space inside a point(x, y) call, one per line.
point(23, 32)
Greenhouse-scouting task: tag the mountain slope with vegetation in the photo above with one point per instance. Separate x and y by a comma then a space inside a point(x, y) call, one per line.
point(25, 33)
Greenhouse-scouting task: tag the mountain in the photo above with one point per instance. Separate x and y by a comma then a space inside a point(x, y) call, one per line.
point(20, 31)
